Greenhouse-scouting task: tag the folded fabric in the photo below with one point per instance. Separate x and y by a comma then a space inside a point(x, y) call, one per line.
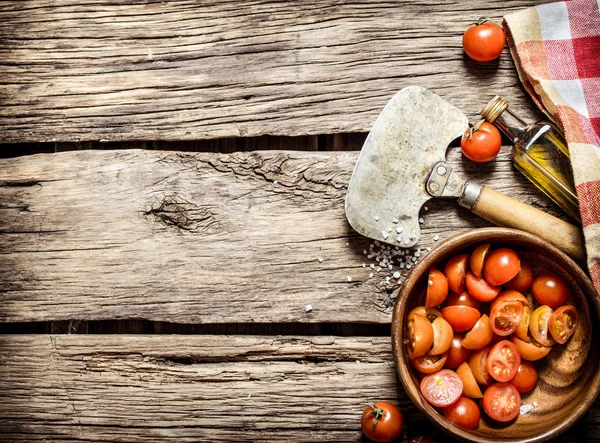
point(556, 49)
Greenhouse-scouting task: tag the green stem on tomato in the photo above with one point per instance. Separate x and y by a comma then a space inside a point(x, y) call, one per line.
point(377, 412)
point(483, 20)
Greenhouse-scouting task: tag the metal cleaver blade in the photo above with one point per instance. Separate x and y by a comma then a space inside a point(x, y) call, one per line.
point(387, 188)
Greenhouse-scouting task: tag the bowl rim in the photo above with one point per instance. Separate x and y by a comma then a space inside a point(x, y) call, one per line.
point(465, 239)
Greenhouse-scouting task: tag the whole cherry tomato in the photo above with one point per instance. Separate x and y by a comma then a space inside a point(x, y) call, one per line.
point(526, 377)
point(501, 266)
point(463, 413)
point(382, 421)
point(484, 41)
point(481, 142)
point(549, 289)
point(523, 280)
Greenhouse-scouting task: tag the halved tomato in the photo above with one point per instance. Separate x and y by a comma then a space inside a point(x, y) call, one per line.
point(563, 322)
point(442, 336)
point(420, 335)
point(428, 364)
point(501, 266)
point(478, 365)
point(462, 299)
point(437, 288)
point(502, 402)
point(530, 350)
point(477, 258)
point(461, 318)
point(505, 316)
point(522, 330)
point(430, 313)
point(480, 336)
point(523, 280)
point(509, 295)
point(442, 388)
point(470, 387)
point(538, 325)
point(480, 289)
point(503, 361)
point(456, 270)
point(457, 354)
point(526, 377)
point(463, 413)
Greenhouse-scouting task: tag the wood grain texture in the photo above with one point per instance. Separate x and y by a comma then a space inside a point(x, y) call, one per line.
point(201, 237)
point(184, 70)
point(201, 388)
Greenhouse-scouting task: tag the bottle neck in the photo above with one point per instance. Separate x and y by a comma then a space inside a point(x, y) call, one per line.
point(511, 125)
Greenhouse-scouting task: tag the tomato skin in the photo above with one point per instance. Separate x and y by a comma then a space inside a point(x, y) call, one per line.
point(530, 350)
point(480, 336)
point(523, 280)
point(509, 295)
point(482, 144)
point(456, 270)
point(470, 387)
point(463, 413)
point(441, 388)
point(563, 322)
point(505, 317)
point(463, 299)
point(539, 324)
point(522, 330)
point(484, 42)
point(420, 335)
point(461, 318)
point(430, 313)
point(501, 266)
point(437, 288)
point(477, 258)
point(457, 354)
point(428, 364)
point(503, 361)
point(383, 428)
point(502, 402)
point(478, 365)
point(550, 289)
point(480, 289)
point(442, 336)
point(526, 377)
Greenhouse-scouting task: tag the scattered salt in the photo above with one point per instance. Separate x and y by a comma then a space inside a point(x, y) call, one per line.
point(399, 230)
point(436, 237)
point(395, 220)
point(399, 239)
point(390, 267)
point(376, 218)
point(387, 279)
point(347, 244)
point(396, 274)
point(275, 182)
point(421, 220)
point(385, 235)
point(364, 265)
point(349, 278)
point(378, 269)
point(308, 308)
point(408, 266)
point(371, 275)
point(320, 260)
point(426, 208)
point(372, 266)
point(406, 241)
point(364, 252)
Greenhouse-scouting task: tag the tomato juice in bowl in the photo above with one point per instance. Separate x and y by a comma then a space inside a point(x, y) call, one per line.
point(567, 379)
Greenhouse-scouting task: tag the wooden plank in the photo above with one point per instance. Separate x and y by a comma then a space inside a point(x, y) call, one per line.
point(201, 237)
point(209, 388)
point(184, 70)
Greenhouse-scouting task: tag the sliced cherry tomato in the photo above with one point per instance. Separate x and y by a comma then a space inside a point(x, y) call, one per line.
point(503, 361)
point(530, 350)
point(457, 354)
point(484, 41)
point(437, 288)
point(479, 288)
point(481, 142)
point(480, 336)
point(461, 318)
point(430, 313)
point(526, 377)
point(463, 413)
point(462, 299)
point(470, 387)
point(538, 325)
point(502, 402)
point(442, 336)
point(505, 317)
point(478, 365)
point(501, 266)
point(563, 322)
point(523, 280)
point(509, 295)
point(382, 421)
point(420, 335)
point(441, 388)
point(549, 289)
point(456, 270)
point(428, 364)
point(522, 330)
point(477, 258)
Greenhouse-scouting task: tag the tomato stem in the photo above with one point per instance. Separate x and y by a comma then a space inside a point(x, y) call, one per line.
point(483, 20)
point(377, 412)
point(474, 128)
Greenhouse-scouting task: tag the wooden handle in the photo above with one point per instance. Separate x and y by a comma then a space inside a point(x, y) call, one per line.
point(503, 210)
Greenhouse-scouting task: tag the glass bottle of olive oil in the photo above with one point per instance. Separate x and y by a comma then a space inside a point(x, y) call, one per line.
point(540, 153)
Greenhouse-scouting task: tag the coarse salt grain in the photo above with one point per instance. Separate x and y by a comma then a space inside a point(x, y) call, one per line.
point(372, 266)
point(308, 308)
point(426, 208)
point(396, 274)
point(421, 220)
point(364, 265)
point(364, 252)
point(406, 241)
point(347, 244)
point(349, 278)
point(387, 279)
point(275, 182)
point(408, 266)
point(371, 275)
point(390, 267)
point(376, 218)
point(378, 269)
point(399, 239)
point(320, 260)
point(436, 237)
point(385, 235)
point(395, 220)
point(399, 230)
point(418, 254)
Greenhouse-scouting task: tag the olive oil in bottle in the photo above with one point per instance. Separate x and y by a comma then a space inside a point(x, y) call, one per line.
point(540, 153)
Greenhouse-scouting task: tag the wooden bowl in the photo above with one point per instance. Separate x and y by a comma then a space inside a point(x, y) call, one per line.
point(569, 377)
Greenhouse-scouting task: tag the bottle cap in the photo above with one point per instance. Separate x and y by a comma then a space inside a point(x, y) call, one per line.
point(493, 109)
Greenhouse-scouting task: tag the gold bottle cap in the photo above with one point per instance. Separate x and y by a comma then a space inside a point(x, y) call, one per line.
point(493, 109)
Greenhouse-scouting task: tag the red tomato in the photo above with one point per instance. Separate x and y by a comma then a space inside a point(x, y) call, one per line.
point(549, 289)
point(470, 387)
point(505, 317)
point(503, 361)
point(461, 318)
point(428, 364)
point(477, 258)
point(509, 295)
point(526, 377)
point(523, 280)
point(455, 270)
point(502, 402)
point(501, 266)
point(481, 142)
point(442, 388)
point(442, 336)
point(457, 354)
point(538, 325)
point(420, 335)
point(463, 413)
point(530, 350)
point(437, 288)
point(480, 289)
point(430, 313)
point(478, 365)
point(563, 322)
point(484, 41)
point(463, 299)
point(382, 421)
point(522, 330)
point(480, 336)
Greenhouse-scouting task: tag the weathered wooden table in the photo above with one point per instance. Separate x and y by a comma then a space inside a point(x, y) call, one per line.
point(155, 289)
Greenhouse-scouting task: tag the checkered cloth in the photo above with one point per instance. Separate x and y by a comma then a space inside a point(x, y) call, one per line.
point(556, 49)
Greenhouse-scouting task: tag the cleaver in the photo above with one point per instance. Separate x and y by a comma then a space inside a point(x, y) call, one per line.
point(402, 164)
